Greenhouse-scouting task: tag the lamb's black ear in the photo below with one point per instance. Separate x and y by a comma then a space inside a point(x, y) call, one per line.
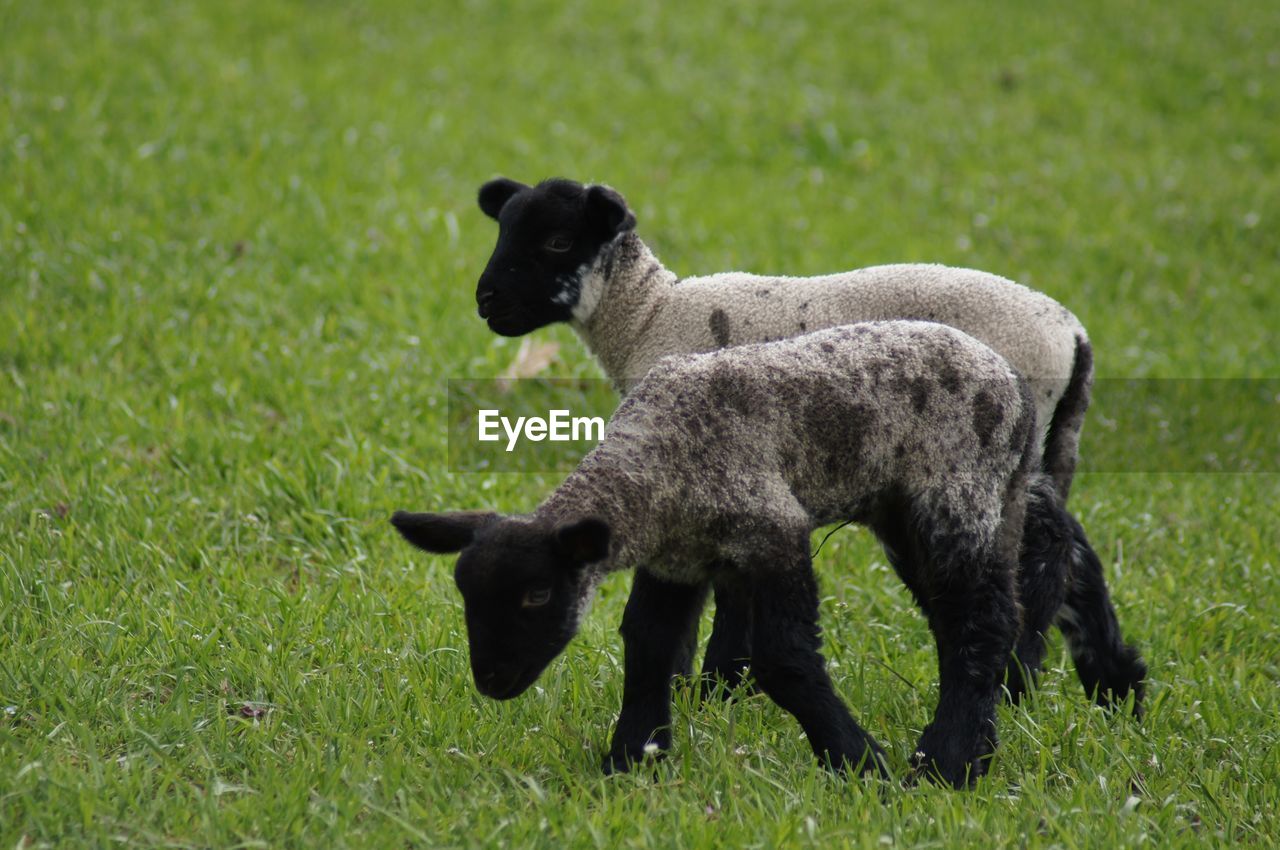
point(495, 194)
point(608, 209)
point(585, 541)
point(441, 533)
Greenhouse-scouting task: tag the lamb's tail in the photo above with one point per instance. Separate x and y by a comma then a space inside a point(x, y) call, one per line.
point(1062, 444)
point(1108, 667)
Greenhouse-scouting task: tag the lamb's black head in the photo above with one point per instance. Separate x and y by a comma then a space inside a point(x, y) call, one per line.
point(548, 236)
point(524, 587)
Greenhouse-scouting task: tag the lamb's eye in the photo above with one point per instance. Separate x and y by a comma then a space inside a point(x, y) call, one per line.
point(559, 243)
point(536, 598)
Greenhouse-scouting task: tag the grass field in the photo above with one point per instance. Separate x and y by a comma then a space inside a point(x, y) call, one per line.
point(238, 247)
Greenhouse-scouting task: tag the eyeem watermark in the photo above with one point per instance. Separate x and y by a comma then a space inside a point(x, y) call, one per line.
point(526, 425)
point(1148, 425)
point(559, 426)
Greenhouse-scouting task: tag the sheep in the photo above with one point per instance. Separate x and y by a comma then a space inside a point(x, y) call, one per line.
point(715, 469)
point(569, 253)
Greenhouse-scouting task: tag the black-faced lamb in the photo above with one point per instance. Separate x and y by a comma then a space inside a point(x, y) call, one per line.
point(569, 252)
point(715, 469)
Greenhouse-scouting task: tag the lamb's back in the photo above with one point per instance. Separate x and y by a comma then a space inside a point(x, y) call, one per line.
point(834, 418)
point(1032, 331)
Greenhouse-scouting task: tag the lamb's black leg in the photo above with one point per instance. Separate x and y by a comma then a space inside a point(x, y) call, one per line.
point(1108, 667)
point(657, 629)
point(974, 617)
point(789, 668)
point(729, 650)
point(1042, 583)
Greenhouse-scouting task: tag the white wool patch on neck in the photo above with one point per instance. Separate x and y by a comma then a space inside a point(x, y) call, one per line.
point(590, 290)
point(592, 280)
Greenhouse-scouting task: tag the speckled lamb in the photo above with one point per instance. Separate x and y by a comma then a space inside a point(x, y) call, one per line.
point(715, 469)
point(568, 252)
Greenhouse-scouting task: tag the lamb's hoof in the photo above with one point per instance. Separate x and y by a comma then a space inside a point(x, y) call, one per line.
point(726, 687)
point(858, 756)
point(1109, 678)
point(628, 759)
point(1019, 685)
point(947, 768)
point(871, 764)
point(1129, 678)
point(958, 760)
point(616, 764)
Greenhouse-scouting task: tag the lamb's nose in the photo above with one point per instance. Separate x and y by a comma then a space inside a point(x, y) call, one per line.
point(483, 301)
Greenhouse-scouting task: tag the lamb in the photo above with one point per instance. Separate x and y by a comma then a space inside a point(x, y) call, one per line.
point(714, 471)
point(569, 252)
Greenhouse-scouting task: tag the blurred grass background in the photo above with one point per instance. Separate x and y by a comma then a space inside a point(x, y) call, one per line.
point(238, 245)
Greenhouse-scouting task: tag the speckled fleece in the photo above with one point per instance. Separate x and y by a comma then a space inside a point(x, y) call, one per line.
point(632, 311)
point(718, 457)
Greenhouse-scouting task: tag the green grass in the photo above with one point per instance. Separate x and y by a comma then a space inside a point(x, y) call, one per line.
point(238, 244)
